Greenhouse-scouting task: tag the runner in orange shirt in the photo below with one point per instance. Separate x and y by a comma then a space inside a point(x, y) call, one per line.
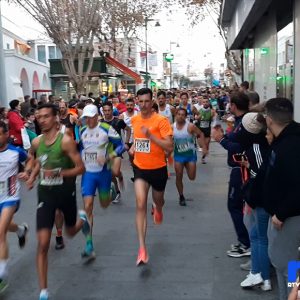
point(152, 138)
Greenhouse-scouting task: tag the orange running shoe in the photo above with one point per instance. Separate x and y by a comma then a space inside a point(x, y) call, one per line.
point(157, 216)
point(143, 257)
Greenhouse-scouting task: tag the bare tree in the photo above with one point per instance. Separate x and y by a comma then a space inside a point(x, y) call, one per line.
point(76, 25)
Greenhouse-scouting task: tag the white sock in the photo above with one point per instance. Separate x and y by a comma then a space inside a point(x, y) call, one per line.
point(44, 292)
point(3, 268)
point(21, 230)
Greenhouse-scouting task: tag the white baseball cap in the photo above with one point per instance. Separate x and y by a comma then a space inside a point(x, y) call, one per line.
point(90, 110)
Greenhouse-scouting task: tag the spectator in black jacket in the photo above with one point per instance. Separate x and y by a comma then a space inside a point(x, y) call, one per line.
point(282, 189)
point(239, 103)
point(252, 138)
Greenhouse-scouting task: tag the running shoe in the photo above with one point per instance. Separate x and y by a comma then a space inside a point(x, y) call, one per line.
point(252, 280)
point(235, 246)
point(23, 237)
point(142, 257)
point(88, 252)
point(182, 201)
point(239, 252)
point(3, 285)
point(44, 296)
point(117, 198)
point(157, 216)
point(266, 286)
point(203, 160)
point(59, 243)
point(86, 227)
point(113, 192)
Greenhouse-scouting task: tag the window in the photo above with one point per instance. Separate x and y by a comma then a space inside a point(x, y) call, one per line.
point(285, 62)
point(51, 52)
point(58, 53)
point(7, 46)
point(41, 54)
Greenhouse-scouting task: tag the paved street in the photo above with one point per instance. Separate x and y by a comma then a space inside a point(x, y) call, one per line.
point(187, 253)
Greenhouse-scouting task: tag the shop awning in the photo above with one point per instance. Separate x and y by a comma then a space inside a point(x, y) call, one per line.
point(23, 47)
point(123, 69)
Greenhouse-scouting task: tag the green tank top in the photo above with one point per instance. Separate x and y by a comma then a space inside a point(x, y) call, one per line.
point(52, 160)
point(206, 116)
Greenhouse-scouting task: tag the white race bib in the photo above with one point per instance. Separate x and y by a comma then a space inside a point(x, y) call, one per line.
point(204, 124)
point(51, 177)
point(142, 145)
point(183, 147)
point(90, 157)
point(3, 187)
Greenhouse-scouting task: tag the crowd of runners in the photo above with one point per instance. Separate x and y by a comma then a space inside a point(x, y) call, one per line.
point(51, 142)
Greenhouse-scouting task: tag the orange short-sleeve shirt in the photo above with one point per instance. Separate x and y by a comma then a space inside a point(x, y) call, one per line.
point(149, 155)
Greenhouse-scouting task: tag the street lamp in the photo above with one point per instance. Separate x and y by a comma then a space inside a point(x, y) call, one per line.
point(146, 38)
point(171, 78)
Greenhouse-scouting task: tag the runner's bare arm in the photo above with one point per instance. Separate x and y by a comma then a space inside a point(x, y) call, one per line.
point(128, 134)
point(193, 129)
point(69, 147)
point(29, 166)
point(131, 150)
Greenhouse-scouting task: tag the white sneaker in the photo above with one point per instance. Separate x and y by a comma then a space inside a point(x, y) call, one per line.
point(266, 286)
point(117, 198)
point(252, 280)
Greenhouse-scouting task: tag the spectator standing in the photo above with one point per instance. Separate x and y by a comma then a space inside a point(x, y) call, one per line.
point(15, 122)
point(281, 189)
point(25, 106)
point(239, 103)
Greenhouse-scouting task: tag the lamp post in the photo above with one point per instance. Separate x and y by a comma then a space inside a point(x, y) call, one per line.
point(171, 77)
point(146, 45)
point(3, 95)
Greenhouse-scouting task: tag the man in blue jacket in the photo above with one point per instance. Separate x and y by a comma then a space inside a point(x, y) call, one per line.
point(239, 103)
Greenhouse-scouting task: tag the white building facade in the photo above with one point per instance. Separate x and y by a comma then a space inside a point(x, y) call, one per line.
point(268, 35)
point(26, 65)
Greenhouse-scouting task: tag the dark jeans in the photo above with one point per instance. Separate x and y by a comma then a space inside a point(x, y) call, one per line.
point(235, 206)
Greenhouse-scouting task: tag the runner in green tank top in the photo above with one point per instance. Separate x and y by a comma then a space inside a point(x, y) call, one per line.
point(205, 116)
point(57, 163)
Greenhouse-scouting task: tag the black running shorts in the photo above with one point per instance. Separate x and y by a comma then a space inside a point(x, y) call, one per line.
point(51, 198)
point(206, 131)
point(157, 178)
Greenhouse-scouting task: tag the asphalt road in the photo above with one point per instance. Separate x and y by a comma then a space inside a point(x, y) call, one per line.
point(187, 252)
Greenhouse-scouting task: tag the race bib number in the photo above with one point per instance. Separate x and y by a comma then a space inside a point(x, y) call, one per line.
point(204, 124)
point(3, 188)
point(184, 147)
point(51, 177)
point(90, 157)
point(142, 145)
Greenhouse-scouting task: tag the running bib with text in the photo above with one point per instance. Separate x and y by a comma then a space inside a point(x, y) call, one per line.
point(184, 147)
point(90, 157)
point(204, 124)
point(142, 145)
point(51, 177)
